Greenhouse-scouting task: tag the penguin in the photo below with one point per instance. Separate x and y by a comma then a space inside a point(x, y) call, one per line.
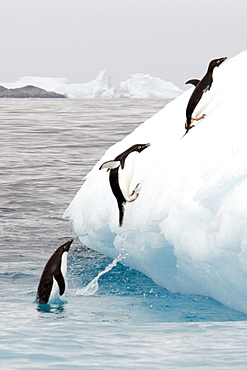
point(121, 173)
point(52, 281)
point(202, 95)
point(194, 82)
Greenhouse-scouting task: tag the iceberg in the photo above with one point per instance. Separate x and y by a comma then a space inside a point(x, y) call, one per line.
point(187, 230)
point(137, 86)
point(143, 86)
point(92, 89)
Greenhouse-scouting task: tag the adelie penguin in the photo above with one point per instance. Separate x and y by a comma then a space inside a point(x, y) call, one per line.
point(202, 94)
point(52, 281)
point(121, 173)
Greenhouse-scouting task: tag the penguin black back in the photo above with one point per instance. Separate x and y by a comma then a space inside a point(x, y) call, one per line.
point(52, 270)
point(114, 183)
point(202, 86)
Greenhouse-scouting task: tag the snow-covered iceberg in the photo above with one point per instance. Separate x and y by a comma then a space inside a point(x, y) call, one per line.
point(187, 230)
point(143, 86)
point(137, 86)
point(92, 89)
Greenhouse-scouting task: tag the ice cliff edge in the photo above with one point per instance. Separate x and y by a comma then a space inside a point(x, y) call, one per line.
point(188, 228)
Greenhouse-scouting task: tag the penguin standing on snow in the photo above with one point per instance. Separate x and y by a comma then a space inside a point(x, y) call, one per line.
point(121, 173)
point(52, 281)
point(202, 95)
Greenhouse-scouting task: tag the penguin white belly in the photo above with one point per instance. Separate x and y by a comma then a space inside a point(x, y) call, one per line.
point(64, 264)
point(206, 99)
point(54, 292)
point(125, 175)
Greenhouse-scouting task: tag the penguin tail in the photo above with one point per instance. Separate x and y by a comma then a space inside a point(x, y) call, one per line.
point(187, 128)
point(121, 214)
point(186, 132)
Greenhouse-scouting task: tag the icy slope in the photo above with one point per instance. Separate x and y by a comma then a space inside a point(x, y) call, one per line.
point(188, 228)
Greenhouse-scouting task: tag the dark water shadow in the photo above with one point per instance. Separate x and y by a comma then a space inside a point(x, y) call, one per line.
point(55, 308)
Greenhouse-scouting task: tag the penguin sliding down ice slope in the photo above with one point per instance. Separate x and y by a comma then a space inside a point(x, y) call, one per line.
point(202, 95)
point(121, 173)
point(52, 281)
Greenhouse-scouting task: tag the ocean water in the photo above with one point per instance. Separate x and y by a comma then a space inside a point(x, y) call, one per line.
point(47, 147)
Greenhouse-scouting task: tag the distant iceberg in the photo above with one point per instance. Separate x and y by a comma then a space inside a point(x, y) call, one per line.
point(187, 230)
point(92, 89)
point(143, 86)
point(137, 86)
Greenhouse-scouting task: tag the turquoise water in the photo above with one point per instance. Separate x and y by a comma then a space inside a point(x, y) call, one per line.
point(48, 146)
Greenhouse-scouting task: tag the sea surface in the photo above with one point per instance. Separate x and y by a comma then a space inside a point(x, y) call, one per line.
point(47, 147)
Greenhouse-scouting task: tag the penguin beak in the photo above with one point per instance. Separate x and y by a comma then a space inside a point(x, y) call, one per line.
point(147, 145)
point(221, 60)
point(66, 246)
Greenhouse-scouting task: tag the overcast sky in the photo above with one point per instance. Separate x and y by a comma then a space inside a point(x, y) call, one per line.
point(75, 39)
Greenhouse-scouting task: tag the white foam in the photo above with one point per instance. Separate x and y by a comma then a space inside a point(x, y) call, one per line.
point(93, 286)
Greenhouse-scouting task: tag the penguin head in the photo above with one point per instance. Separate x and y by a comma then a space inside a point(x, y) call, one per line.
point(138, 147)
point(67, 245)
point(134, 148)
point(216, 62)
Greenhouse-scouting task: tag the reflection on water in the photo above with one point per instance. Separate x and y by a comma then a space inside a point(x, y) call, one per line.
point(57, 309)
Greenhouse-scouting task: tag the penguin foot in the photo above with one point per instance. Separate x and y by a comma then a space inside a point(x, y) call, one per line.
point(199, 118)
point(133, 199)
point(134, 195)
point(133, 192)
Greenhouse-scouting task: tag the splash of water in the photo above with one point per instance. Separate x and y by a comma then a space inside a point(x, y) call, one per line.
point(93, 286)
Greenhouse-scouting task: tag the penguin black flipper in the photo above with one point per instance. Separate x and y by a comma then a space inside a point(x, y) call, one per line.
point(193, 81)
point(114, 183)
point(60, 280)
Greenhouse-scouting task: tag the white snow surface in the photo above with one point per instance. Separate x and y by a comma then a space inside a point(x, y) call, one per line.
point(137, 86)
point(187, 230)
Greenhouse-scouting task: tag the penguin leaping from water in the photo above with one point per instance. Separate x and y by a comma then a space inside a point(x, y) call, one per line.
point(52, 281)
point(202, 95)
point(121, 174)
